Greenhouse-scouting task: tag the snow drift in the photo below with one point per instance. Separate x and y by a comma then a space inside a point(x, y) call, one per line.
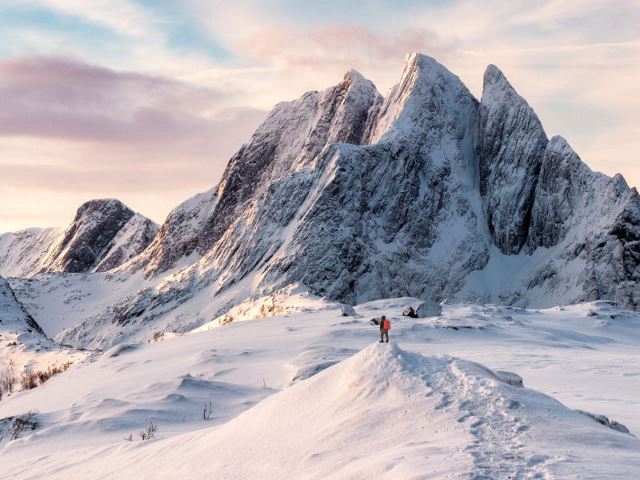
point(384, 413)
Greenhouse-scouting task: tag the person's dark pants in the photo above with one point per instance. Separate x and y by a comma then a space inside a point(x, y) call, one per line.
point(384, 334)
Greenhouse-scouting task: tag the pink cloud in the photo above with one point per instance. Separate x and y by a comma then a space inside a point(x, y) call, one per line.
point(60, 98)
point(330, 44)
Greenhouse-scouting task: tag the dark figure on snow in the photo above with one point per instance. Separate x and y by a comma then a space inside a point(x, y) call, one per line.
point(385, 326)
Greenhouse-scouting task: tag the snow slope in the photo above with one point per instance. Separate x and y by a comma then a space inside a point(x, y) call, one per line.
point(23, 344)
point(378, 412)
point(21, 252)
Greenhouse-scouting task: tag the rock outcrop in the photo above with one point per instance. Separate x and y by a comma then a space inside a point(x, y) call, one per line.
point(13, 316)
point(510, 145)
point(179, 234)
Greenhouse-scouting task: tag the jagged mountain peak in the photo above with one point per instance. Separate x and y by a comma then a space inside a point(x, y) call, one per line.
point(426, 94)
point(104, 234)
point(510, 145)
point(495, 80)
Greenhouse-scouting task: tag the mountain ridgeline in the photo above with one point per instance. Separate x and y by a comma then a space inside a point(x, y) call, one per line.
point(426, 192)
point(422, 193)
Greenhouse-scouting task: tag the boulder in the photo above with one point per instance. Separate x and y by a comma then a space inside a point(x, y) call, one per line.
point(428, 309)
point(607, 422)
point(348, 311)
point(510, 378)
point(408, 311)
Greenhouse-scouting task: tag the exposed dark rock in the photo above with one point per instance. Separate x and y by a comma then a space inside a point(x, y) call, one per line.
point(408, 311)
point(510, 145)
point(606, 421)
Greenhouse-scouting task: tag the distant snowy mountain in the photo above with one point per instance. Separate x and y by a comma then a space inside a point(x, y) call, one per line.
point(22, 252)
point(427, 193)
point(103, 235)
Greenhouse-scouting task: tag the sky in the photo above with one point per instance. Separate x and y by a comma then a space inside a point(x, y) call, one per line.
point(146, 100)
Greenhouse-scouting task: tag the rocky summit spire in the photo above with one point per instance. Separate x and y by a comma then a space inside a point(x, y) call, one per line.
point(425, 90)
point(509, 146)
point(104, 234)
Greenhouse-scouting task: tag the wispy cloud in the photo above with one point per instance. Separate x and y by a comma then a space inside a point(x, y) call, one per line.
point(162, 93)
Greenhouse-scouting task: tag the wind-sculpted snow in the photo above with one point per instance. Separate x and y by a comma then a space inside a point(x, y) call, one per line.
point(510, 145)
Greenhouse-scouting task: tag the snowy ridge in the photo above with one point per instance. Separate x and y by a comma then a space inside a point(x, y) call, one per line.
point(384, 413)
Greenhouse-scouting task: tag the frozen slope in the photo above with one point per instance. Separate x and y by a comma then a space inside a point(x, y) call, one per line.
point(23, 344)
point(22, 252)
point(362, 417)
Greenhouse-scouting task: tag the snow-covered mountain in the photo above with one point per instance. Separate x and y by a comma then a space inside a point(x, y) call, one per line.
point(103, 235)
point(427, 192)
point(24, 347)
point(361, 198)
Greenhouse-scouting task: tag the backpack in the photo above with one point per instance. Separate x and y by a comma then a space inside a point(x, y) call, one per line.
point(386, 325)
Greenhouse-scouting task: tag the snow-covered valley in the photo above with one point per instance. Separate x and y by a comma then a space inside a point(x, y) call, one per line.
point(307, 395)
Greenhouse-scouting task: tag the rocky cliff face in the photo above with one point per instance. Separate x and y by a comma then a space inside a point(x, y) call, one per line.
point(590, 219)
point(179, 234)
point(401, 214)
point(510, 145)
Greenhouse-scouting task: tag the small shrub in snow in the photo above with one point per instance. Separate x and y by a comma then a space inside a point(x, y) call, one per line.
point(149, 432)
point(22, 423)
point(207, 411)
point(31, 379)
point(7, 379)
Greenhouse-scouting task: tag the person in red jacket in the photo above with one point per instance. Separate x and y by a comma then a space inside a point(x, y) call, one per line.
point(385, 326)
